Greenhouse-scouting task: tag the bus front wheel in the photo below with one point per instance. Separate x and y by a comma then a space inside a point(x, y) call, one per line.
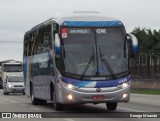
point(111, 106)
point(34, 100)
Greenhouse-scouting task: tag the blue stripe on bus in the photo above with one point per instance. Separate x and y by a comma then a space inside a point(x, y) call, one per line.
point(93, 23)
point(96, 84)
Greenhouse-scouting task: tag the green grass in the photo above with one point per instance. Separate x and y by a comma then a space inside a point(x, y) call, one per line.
point(145, 91)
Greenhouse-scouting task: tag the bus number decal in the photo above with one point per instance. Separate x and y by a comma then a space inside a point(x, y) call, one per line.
point(122, 81)
point(43, 63)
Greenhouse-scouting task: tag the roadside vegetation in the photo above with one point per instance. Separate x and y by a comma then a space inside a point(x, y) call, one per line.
point(146, 91)
point(149, 40)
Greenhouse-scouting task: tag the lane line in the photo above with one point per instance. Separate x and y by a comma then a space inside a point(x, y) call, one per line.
point(13, 101)
point(134, 110)
point(144, 100)
point(5, 99)
point(22, 105)
point(68, 119)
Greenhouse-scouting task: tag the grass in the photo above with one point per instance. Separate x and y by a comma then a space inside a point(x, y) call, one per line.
point(145, 91)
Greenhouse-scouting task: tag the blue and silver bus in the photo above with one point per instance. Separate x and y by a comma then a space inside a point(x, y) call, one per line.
point(78, 58)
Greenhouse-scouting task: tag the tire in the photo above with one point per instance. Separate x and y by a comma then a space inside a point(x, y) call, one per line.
point(57, 106)
point(7, 93)
point(4, 92)
point(23, 93)
point(111, 106)
point(34, 100)
point(42, 102)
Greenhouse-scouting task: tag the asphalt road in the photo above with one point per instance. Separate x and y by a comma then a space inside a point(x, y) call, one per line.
point(138, 104)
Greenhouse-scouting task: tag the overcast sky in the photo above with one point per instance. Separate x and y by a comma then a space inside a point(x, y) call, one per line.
point(18, 16)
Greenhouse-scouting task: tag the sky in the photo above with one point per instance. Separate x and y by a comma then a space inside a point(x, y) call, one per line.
point(19, 16)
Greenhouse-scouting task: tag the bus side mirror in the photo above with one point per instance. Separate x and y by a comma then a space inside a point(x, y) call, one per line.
point(134, 42)
point(57, 46)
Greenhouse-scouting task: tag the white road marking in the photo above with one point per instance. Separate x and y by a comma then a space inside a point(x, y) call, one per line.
point(22, 105)
point(134, 110)
point(13, 102)
point(5, 99)
point(68, 119)
point(144, 100)
point(35, 108)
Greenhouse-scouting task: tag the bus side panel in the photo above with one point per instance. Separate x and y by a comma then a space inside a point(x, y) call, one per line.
point(26, 75)
point(42, 75)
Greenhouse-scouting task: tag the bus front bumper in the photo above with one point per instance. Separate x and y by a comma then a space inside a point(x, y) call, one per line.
point(15, 89)
point(90, 95)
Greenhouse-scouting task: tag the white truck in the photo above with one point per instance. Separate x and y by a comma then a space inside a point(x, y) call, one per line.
point(11, 68)
point(1, 77)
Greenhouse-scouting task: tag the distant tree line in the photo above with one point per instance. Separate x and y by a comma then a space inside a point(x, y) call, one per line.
point(147, 63)
point(149, 40)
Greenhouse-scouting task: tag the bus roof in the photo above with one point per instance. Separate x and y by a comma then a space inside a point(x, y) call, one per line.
point(81, 18)
point(72, 19)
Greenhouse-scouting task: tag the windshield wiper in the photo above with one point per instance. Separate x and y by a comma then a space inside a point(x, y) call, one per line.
point(104, 60)
point(88, 64)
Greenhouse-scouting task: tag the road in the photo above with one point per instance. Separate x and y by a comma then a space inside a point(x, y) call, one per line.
point(138, 103)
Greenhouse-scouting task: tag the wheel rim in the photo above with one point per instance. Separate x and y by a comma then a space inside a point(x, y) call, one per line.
point(32, 97)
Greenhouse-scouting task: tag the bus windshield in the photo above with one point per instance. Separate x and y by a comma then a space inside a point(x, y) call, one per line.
point(12, 68)
point(15, 79)
point(94, 51)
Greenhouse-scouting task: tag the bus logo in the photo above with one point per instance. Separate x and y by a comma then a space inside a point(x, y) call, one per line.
point(98, 89)
point(64, 33)
point(101, 31)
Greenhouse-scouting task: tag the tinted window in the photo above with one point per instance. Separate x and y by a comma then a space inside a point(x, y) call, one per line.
point(15, 79)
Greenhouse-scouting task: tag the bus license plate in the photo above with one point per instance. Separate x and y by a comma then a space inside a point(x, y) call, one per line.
point(98, 97)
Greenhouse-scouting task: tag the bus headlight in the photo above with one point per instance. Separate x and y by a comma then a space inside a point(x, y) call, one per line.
point(125, 95)
point(70, 97)
point(124, 85)
point(70, 86)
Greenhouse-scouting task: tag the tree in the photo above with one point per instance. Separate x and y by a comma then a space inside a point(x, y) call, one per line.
point(149, 41)
point(149, 47)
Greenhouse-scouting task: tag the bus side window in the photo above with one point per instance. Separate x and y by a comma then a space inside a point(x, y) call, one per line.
point(47, 38)
point(39, 42)
point(25, 47)
point(35, 39)
point(29, 49)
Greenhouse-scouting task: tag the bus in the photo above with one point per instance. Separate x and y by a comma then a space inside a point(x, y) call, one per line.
point(11, 68)
point(78, 58)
